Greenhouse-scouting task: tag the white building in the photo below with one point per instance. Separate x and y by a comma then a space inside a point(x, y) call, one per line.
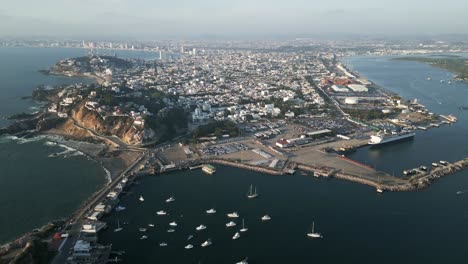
point(358, 88)
point(339, 88)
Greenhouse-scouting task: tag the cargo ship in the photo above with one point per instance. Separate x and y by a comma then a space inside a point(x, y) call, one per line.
point(383, 137)
point(208, 169)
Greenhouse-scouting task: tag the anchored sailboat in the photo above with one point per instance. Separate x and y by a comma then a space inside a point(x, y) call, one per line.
point(313, 234)
point(252, 193)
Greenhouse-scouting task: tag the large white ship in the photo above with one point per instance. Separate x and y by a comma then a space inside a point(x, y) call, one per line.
point(382, 137)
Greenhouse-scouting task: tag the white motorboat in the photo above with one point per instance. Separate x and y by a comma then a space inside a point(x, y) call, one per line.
point(161, 212)
point(243, 261)
point(119, 208)
point(236, 236)
point(200, 227)
point(151, 225)
point(231, 224)
point(143, 237)
point(233, 215)
point(173, 223)
point(170, 199)
point(189, 246)
point(206, 243)
point(171, 230)
point(142, 229)
point(163, 244)
point(314, 234)
point(266, 218)
point(211, 211)
point(141, 199)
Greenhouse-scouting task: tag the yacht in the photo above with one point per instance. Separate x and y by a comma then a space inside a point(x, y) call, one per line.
point(200, 227)
point(143, 237)
point(163, 244)
point(231, 224)
point(266, 218)
point(244, 229)
point(233, 215)
point(161, 212)
point(243, 262)
point(189, 246)
point(206, 243)
point(151, 225)
point(313, 234)
point(236, 236)
point(171, 230)
point(170, 199)
point(173, 223)
point(211, 211)
point(141, 199)
point(118, 229)
point(252, 193)
point(142, 229)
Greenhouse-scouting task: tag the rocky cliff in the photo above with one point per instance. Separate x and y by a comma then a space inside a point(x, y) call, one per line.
point(120, 126)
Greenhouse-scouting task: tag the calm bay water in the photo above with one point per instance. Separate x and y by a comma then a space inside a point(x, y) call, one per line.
point(34, 188)
point(359, 225)
point(409, 79)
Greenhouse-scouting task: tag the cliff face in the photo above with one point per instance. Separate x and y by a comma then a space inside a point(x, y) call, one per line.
point(120, 126)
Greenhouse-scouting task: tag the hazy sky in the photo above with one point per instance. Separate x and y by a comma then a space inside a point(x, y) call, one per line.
point(231, 18)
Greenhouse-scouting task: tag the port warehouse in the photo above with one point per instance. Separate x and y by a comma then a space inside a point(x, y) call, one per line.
point(303, 139)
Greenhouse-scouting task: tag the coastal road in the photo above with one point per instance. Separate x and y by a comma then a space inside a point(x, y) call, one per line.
point(77, 220)
point(114, 139)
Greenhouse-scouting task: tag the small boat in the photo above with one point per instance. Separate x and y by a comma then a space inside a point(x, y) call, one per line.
point(151, 225)
point(266, 218)
point(252, 193)
point(200, 227)
point(142, 229)
point(173, 223)
point(423, 168)
point(189, 237)
point(243, 261)
point(435, 164)
point(141, 199)
point(233, 215)
point(236, 236)
point(189, 246)
point(119, 208)
point(459, 192)
point(170, 199)
point(379, 190)
point(206, 243)
point(211, 211)
point(163, 244)
point(231, 224)
point(244, 229)
point(143, 237)
point(443, 162)
point(313, 234)
point(161, 212)
point(171, 230)
point(118, 229)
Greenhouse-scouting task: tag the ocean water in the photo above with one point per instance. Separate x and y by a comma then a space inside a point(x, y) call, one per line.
point(409, 79)
point(36, 188)
point(358, 224)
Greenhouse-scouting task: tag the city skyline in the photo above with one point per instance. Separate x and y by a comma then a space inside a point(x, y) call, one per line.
point(295, 18)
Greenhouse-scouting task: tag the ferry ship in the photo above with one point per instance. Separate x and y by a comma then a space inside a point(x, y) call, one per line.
point(208, 169)
point(383, 137)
